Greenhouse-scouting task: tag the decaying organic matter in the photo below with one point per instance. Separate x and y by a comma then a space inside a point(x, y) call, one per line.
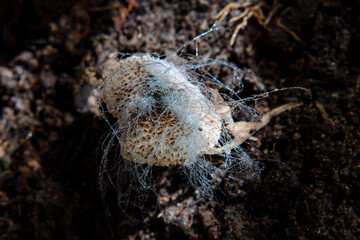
point(166, 116)
point(163, 118)
point(52, 55)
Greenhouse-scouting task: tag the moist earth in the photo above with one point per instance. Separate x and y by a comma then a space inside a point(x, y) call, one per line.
point(52, 56)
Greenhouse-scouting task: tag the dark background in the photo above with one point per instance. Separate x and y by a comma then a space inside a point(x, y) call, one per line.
point(50, 132)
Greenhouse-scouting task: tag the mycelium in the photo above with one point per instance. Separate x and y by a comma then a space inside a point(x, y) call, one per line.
point(166, 116)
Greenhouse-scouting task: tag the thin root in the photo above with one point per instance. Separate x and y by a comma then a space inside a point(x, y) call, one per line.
point(256, 12)
point(244, 130)
point(294, 35)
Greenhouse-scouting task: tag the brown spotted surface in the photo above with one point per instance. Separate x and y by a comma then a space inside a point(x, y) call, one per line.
point(150, 139)
point(154, 140)
point(122, 83)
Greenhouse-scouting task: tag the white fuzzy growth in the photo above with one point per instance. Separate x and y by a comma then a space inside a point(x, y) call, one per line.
point(189, 104)
point(165, 115)
point(179, 122)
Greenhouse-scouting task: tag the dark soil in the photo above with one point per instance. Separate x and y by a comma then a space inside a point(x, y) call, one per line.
point(50, 131)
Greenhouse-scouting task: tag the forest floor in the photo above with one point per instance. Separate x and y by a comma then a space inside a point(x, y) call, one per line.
point(50, 131)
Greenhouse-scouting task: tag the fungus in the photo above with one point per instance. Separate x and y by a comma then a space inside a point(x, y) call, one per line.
point(166, 116)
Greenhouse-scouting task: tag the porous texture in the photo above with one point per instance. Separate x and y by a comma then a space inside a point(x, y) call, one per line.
point(163, 119)
point(121, 83)
point(154, 141)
